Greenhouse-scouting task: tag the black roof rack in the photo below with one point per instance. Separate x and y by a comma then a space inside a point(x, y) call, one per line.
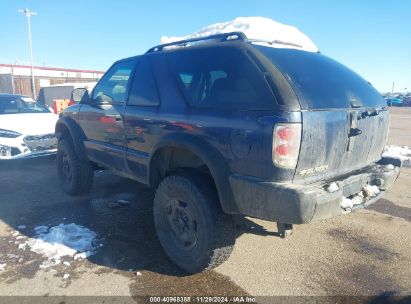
point(218, 37)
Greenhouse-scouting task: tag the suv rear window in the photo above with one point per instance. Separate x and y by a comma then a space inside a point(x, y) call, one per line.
point(220, 77)
point(323, 82)
point(143, 91)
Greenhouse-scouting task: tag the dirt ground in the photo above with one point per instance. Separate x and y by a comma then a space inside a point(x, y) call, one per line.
point(367, 253)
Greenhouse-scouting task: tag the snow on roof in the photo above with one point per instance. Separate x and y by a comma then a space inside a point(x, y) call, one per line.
point(259, 28)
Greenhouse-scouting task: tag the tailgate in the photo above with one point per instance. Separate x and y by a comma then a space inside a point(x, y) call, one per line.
point(339, 141)
point(344, 119)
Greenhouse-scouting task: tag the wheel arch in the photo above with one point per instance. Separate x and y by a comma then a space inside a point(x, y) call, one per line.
point(194, 151)
point(67, 128)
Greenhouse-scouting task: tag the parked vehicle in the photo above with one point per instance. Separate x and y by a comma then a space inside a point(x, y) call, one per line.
point(26, 128)
point(223, 125)
point(407, 100)
point(394, 101)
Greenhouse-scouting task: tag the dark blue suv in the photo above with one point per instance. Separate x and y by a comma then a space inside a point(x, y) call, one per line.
point(224, 125)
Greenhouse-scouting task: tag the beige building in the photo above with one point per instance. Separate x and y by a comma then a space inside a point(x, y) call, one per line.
point(16, 79)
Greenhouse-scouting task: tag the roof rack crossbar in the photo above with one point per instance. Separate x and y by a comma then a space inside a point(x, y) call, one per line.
point(221, 37)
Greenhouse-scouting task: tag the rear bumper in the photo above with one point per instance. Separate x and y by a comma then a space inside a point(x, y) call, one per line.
point(298, 204)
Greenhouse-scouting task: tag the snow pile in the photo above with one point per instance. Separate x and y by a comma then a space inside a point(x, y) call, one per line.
point(349, 203)
point(255, 28)
point(371, 191)
point(346, 203)
point(359, 198)
point(333, 187)
point(403, 153)
point(389, 167)
point(59, 241)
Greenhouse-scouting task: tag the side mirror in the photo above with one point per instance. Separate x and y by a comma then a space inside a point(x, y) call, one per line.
point(80, 95)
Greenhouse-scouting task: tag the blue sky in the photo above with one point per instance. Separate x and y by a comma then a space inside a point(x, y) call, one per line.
point(373, 37)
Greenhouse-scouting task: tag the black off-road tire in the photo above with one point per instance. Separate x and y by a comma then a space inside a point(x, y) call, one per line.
point(211, 238)
point(76, 175)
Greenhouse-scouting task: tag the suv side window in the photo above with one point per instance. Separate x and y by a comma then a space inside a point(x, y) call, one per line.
point(143, 91)
point(113, 87)
point(221, 77)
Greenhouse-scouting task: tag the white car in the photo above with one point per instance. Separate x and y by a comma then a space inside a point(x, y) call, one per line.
point(26, 128)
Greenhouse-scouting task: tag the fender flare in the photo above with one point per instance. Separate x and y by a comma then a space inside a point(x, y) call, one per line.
point(210, 156)
point(76, 134)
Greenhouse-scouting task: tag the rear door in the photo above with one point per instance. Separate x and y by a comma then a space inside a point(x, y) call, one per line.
point(102, 118)
point(141, 119)
point(345, 120)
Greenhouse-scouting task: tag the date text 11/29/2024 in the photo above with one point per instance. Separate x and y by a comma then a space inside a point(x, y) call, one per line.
point(202, 299)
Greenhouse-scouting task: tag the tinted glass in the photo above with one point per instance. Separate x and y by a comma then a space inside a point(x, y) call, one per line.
point(324, 82)
point(143, 91)
point(18, 105)
point(221, 77)
point(114, 84)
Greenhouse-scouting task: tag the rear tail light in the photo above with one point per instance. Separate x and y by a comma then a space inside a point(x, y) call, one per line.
point(286, 145)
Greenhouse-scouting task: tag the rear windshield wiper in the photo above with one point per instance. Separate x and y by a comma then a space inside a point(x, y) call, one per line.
point(355, 104)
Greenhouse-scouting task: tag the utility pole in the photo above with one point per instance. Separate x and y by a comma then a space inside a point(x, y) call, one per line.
point(28, 14)
point(392, 89)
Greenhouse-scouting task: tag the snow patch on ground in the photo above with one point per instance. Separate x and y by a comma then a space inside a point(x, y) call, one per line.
point(3, 266)
point(255, 28)
point(83, 255)
point(41, 229)
point(64, 240)
point(50, 263)
point(403, 153)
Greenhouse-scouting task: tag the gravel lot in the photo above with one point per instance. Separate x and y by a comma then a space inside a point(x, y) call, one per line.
point(367, 253)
